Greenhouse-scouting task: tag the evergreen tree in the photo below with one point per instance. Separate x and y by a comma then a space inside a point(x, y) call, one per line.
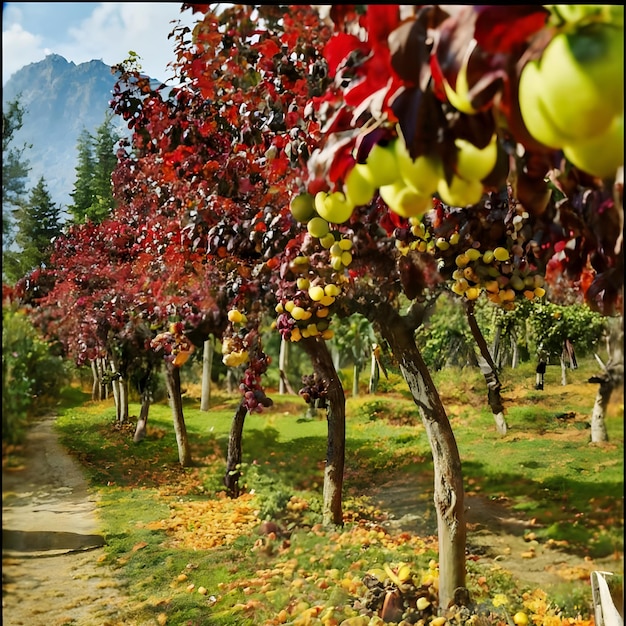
point(38, 223)
point(15, 168)
point(83, 194)
point(93, 191)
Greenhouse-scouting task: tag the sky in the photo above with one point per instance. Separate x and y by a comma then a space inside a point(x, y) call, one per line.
point(86, 31)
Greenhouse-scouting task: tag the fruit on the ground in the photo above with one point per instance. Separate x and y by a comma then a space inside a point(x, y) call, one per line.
point(333, 207)
point(358, 189)
point(317, 227)
point(520, 619)
point(302, 207)
point(599, 156)
point(474, 163)
point(460, 192)
point(404, 199)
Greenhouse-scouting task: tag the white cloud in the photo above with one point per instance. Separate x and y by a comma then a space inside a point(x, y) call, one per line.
point(108, 34)
point(19, 48)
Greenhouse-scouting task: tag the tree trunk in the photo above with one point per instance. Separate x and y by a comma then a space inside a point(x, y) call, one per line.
point(563, 372)
point(142, 421)
point(448, 483)
point(115, 386)
point(172, 378)
point(283, 358)
point(234, 455)
point(283, 361)
point(611, 378)
point(95, 388)
point(488, 369)
point(356, 371)
point(374, 372)
point(321, 359)
point(124, 394)
point(207, 366)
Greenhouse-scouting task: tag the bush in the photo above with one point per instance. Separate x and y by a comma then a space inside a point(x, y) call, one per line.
point(31, 377)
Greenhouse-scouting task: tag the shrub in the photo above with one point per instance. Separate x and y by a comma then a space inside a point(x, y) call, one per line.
point(31, 377)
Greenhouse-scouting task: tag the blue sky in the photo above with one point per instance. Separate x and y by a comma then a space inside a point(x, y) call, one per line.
point(83, 31)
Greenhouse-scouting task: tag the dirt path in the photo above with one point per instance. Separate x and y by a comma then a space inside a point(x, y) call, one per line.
point(497, 536)
point(51, 574)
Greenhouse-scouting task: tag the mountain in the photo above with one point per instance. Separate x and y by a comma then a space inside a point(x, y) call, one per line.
point(60, 99)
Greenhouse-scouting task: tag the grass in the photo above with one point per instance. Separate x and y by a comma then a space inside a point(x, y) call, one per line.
point(156, 514)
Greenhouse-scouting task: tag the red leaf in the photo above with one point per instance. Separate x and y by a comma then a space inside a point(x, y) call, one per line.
point(502, 28)
point(338, 48)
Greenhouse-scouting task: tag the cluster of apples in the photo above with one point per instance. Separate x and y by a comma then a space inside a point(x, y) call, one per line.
point(309, 310)
point(572, 97)
point(407, 185)
point(492, 272)
point(234, 352)
point(174, 343)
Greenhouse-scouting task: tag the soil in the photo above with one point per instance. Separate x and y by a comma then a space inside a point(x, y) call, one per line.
point(51, 546)
point(52, 570)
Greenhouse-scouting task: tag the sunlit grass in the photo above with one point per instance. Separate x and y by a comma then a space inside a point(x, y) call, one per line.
point(544, 467)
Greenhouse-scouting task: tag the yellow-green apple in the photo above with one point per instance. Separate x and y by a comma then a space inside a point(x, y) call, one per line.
point(302, 207)
point(358, 189)
point(317, 227)
point(474, 163)
point(380, 167)
point(582, 79)
point(405, 200)
point(422, 173)
point(460, 192)
point(333, 207)
point(599, 156)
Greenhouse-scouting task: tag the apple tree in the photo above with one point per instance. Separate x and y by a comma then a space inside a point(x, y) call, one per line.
point(426, 81)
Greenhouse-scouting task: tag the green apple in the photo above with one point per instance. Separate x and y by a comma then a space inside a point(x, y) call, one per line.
point(474, 163)
point(599, 156)
point(422, 173)
point(358, 189)
point(302, 207)
point(404, 200)
point(577, 14)
point(381, 167)
point(333, 207)
point(535, 116)
point(460, 192)
point(582, 79)
point(317, 227)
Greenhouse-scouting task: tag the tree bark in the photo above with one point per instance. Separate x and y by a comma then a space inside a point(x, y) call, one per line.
point(172, 377)
point(611, 378)
point(95, 388)
point(374, 372)
point(322, 361)
point(207, 366)
point(488, 369)
point(448, 483)
point(234, 455)
point(142, 422)
point(356, 371)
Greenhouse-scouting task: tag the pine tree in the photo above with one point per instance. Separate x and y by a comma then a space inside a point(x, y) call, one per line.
point(93, 191)
point(83, 194)
point(15, 168)
point(38, 223)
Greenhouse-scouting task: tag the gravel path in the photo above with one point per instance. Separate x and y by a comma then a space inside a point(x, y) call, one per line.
point(51, 541)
